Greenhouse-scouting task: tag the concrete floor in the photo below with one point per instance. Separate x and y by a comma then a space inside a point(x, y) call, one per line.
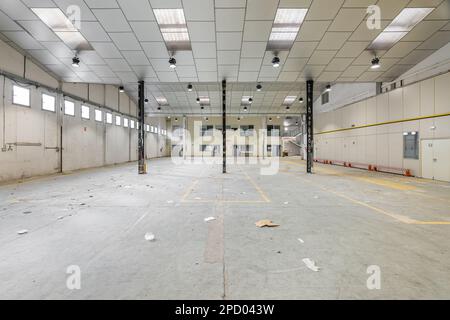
point(348, 219)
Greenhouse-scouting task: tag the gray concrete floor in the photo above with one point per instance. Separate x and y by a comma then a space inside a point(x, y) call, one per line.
point(349, 219)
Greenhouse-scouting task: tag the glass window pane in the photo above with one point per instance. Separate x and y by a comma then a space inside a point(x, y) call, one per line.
point(48, 102)
point(98, 115)
point(21, 96)
point(85, 112)
point(117, 121)
point(69, 108)
point(125, 122)
point(109, 118)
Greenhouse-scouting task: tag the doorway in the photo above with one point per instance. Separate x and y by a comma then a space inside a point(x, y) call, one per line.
point(436, 159)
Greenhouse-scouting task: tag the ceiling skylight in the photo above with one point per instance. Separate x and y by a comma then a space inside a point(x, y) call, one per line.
point(173, 28)
point(289, 100)
point(285, 28)
point(162, 101)
point(399, 27)
point(57, 21)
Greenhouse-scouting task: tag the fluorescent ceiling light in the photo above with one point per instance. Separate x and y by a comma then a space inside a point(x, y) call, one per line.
point(175, 37)
point(57, 21)
point(408, 19)
point(405, 21)
point(285, 28)
point(289, 100)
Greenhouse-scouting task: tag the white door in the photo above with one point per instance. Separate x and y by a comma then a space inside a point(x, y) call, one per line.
point(427, 159)
point(436, 159)
point(441, 159)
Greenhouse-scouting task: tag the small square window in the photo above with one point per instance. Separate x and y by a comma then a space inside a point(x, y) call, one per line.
point(69, 108)
point(48, 102)
point(85, 112)
point(109, 118)
point(21, 96)
point(117, 121)
point(132, 124)
point(147, 128)
point(98, 115)
point(125, 122)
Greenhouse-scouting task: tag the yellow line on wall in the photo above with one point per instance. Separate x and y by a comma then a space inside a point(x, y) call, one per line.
point(384, 123)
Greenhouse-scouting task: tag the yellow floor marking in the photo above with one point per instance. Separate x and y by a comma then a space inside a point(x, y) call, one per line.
point(188, 192)
point(253, 183)
point(256, 186)
point(398, 217)
point(387, 183)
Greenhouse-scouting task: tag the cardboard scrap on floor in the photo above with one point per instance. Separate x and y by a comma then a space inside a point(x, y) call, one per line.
point(266, 223)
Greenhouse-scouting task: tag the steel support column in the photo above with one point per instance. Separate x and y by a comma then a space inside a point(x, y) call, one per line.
point(142, 166)
point(224, 126)
point(309, 125)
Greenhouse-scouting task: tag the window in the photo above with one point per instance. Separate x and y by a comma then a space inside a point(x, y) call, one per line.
point(247, 131)
point(137, 125)
point(21, 96)
point(48, 102)
point(98, 115)
point(273, 131)
point(125, 122)
point(117, 121)
point(109, 117)
point(325, 98)
point(206, 131)
point(69, 108)
point(147, 128)
point(151, 129)
point(85, 112)
point(132, 124)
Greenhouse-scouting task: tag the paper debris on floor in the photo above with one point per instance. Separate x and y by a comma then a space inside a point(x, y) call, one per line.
point(311, 264)
point(149, 236)
point(266, 223)
point(209, 219)
point(301, 240)
point(286, 202)
point(24, 231)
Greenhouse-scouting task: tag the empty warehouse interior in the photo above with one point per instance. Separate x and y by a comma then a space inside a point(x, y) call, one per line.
point(224, 149)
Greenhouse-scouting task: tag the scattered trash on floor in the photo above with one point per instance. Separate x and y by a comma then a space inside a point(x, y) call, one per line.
point(301, 240)
point(26, 212)
point(311, 264)
point(24, 231)
point(286, 202)
point(149, 236)
point(60, 218)
point(209, 219)
point(266, 223)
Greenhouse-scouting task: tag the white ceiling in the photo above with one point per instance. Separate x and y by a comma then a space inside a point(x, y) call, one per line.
point(229, 39)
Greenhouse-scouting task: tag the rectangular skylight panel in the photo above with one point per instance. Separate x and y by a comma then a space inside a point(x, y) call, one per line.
point(176, 36)
point(288, 16)
point(161, 101)
point(281, 36)
point(386, 40)
point(170, 16)
point(408, 19)
point(74, 40)
point(289, 100)
point(54, 18)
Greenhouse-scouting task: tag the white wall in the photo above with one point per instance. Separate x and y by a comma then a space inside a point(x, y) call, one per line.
point(382, 144)
point(30, 137)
